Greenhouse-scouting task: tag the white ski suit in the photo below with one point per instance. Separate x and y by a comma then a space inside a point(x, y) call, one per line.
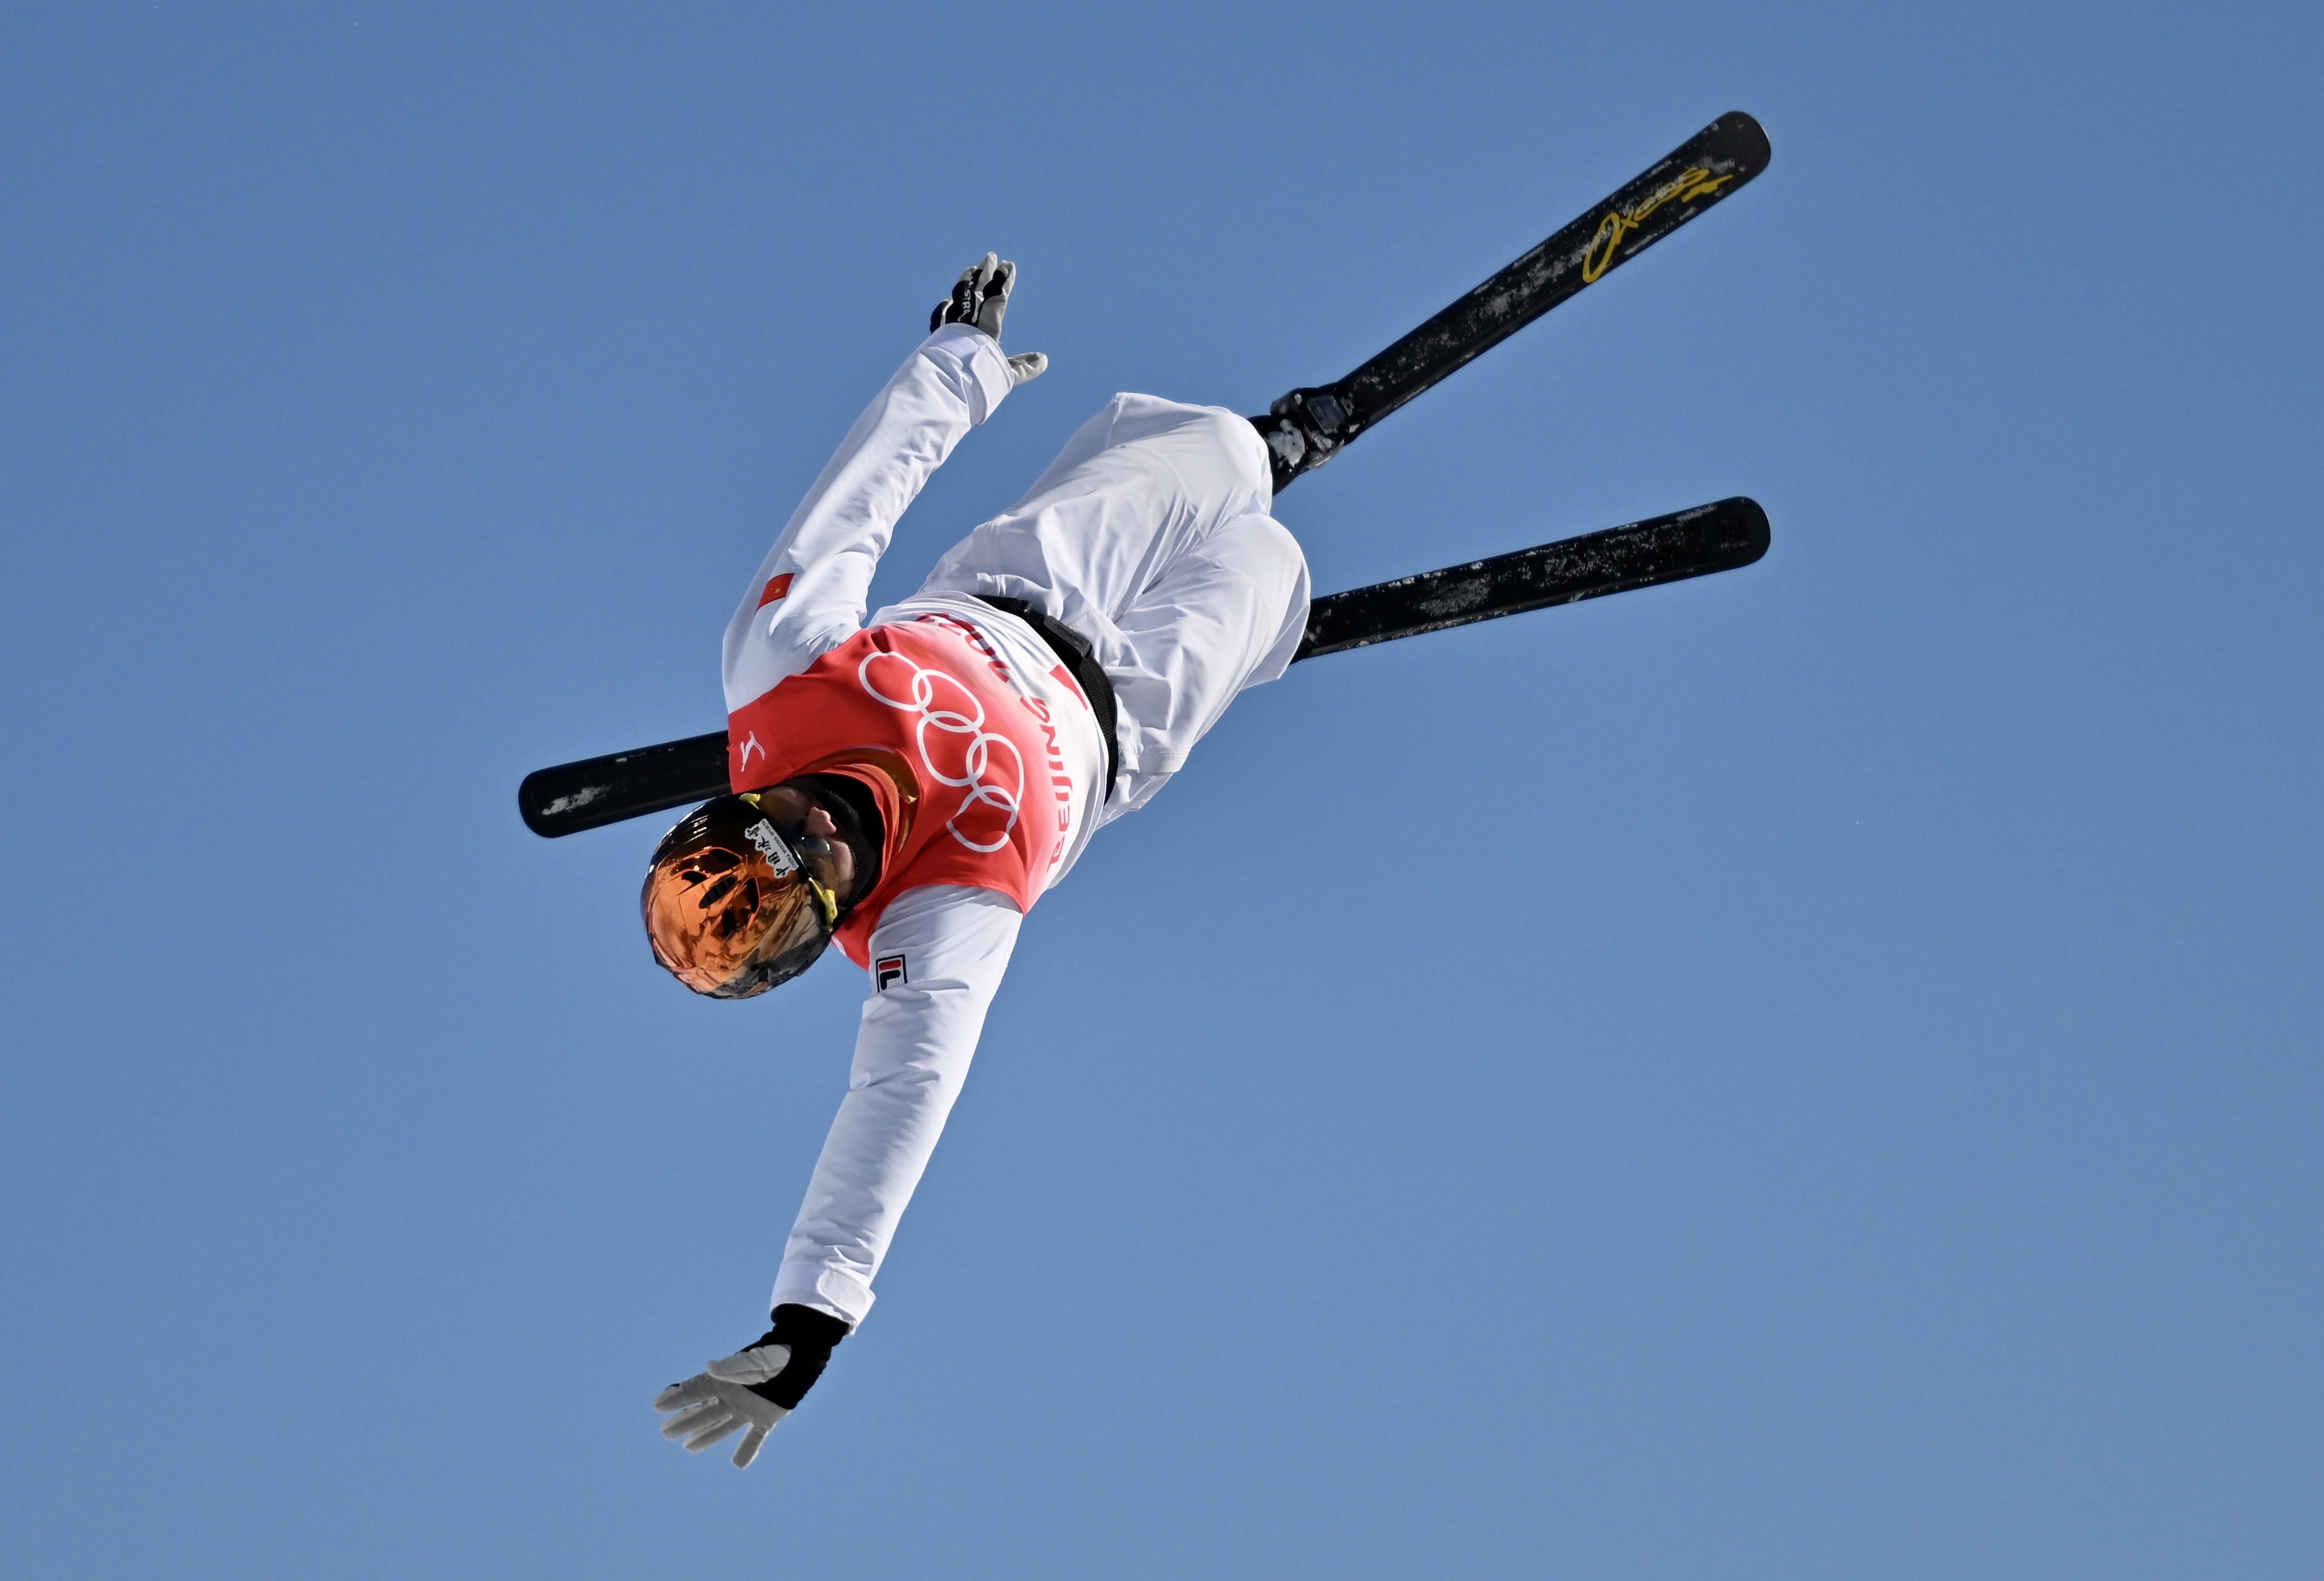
point(1149, 536)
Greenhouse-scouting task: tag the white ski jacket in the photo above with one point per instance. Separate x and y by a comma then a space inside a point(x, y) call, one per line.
point(1149, 535)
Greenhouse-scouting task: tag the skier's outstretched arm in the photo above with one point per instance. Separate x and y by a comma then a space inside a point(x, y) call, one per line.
point(809, 594)
point(937, 958)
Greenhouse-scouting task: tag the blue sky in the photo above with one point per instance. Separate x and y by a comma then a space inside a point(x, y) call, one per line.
point(1825, 1083)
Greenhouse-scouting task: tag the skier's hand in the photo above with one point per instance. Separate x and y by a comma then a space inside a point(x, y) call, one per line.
point(981, 297)
point(754, 1388)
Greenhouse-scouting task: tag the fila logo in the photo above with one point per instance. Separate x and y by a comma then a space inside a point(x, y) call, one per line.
point(780, 588)
point(889, 970)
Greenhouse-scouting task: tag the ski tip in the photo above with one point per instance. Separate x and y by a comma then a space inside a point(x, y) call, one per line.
point(535, 803)
point(1752, 147)
point(1749, 519)
point(593, 792)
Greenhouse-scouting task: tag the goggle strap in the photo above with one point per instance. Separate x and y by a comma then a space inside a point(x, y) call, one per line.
point(830, 900)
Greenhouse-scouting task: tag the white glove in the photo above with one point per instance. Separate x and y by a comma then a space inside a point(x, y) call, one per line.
point(742, 1391)
point(717, 1402)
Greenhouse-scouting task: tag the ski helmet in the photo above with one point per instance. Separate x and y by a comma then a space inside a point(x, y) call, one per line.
point(733, 905)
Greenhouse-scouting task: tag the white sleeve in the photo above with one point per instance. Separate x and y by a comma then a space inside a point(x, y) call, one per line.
point(809, 594)
point(937, 958)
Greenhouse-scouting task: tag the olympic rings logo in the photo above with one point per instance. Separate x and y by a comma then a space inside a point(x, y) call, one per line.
point(963, 749)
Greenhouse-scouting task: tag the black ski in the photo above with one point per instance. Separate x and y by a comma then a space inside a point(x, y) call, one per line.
point(1721, 537)
point(1718, 537)
point(1309, 426)
point(599, 790)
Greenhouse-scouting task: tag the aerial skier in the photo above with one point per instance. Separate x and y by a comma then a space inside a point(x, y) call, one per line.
point(909, 786)
point(912, 786)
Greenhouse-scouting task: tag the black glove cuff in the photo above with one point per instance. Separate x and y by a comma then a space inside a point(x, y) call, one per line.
point(796, 1325)
point(810, 1335)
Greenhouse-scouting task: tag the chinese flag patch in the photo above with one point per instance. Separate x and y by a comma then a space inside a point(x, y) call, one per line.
point(776, 589)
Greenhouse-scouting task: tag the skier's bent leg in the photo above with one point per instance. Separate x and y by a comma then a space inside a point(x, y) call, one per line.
point(1149, 536)
point(1142, 484)
point(1226, 616)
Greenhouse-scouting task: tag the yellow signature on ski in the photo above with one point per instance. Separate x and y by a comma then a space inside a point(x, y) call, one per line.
point(1600, 253)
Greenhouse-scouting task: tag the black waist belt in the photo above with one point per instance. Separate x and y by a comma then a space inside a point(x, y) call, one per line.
point(1074, 652)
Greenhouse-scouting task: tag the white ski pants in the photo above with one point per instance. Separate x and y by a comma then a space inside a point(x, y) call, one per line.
point(1148, 534)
